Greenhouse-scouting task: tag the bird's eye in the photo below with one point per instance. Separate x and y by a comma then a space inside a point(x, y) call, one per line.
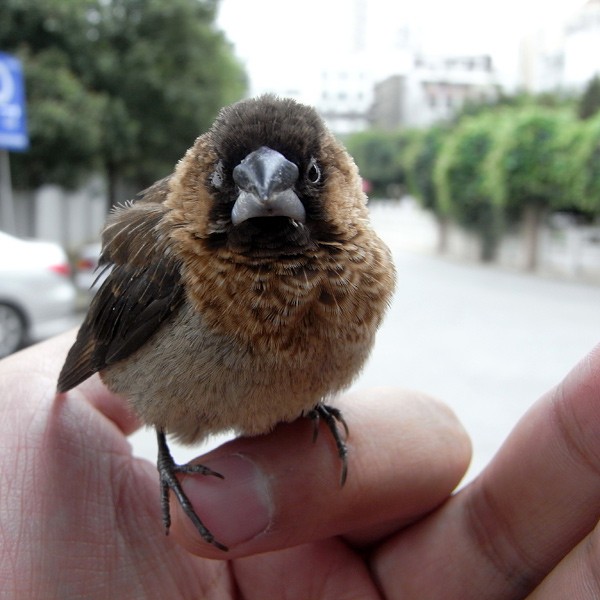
point(216, 179)
point(313, 173)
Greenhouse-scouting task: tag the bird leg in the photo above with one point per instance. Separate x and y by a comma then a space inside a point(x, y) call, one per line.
point(333, 418)
point(167, 470)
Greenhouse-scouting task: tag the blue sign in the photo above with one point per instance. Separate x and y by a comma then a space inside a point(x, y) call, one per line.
point(13, 122)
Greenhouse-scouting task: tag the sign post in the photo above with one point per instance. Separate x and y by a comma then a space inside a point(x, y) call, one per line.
point(13, 131)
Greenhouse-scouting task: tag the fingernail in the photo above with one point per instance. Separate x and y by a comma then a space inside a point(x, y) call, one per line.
point(235, 509)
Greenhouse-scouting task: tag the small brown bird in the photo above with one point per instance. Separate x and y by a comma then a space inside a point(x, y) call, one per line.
point(246, 288)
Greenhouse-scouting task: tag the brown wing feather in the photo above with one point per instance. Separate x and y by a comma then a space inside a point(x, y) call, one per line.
point(142, 290)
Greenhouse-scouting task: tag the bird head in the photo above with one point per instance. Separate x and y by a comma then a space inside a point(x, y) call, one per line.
point(268, 178)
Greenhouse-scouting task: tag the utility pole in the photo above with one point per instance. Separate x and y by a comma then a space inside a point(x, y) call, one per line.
point(13, 132)
point(7, 205)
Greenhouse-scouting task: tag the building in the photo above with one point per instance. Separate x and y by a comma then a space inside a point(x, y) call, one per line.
point(541, 61)
point(562, 57)
point(582, 47)
point(344, 98)
point(433, 90)
point(388, 110)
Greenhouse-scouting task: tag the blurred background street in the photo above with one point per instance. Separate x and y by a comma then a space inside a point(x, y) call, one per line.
point(484, 340)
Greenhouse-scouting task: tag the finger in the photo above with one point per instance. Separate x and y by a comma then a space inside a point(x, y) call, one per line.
point(32, 374)
point(114, 408)
point(576, 576)
point(537, 499)
point(328, 570)
point(406, 455)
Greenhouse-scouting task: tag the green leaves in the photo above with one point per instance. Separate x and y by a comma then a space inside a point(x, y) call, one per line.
point(586, 160)
point(530, 160)
point(589, 104)
point(460, 176)
point(64, 124)
point(380, 156)
point(510, 163)
point(458, 171)
point(420, 160)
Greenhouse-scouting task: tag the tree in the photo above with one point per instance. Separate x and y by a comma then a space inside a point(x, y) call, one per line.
point(589, 103)
point(378, 155)
point(62, 148)
point(530, 171)
point(167, 71)
point(586, 166)
point(421, 157)
point(460, 181)
point(158, 72)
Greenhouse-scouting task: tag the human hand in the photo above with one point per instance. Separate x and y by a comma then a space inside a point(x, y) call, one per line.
point(80, 515)
point(526, 527)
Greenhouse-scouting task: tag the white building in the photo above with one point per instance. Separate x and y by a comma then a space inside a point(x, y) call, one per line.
point(345, 96)
point(337, 77)
point(432, 90)
point(582, 47)
point(564, 58)
point(541, 59)
point(346, 89)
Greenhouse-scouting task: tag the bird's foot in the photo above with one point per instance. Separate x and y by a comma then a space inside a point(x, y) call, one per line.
point(333, 418)
point(167, 470)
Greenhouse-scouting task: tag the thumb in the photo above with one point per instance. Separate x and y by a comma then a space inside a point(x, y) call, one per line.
point(407, 453)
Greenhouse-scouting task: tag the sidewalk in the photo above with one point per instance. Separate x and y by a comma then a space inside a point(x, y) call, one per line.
point(566, 252)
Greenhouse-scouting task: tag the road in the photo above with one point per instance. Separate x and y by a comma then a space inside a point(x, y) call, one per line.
point(487, 342)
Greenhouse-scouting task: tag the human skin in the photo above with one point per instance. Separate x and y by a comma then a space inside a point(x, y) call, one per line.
point(79, 515)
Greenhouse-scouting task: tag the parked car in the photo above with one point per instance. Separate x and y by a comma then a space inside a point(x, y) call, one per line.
point(88, 278)
point(37, 296)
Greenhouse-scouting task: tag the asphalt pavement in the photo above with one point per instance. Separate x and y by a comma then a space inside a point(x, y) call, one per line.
point(486, 341)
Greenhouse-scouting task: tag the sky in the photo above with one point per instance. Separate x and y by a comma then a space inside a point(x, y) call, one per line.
point(291, 41)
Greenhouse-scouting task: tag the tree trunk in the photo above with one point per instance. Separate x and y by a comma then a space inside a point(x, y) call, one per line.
point(443, 223)
point(532, 219)
point(490, 232)
point(111, 181)
point(487, 248)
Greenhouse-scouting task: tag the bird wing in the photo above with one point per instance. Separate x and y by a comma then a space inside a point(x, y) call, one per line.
point(142, 290)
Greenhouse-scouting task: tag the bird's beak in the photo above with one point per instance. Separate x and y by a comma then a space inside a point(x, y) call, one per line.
point(266, 180)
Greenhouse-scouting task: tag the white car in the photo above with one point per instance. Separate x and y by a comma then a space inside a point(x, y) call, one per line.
point(37, 296)
point(88, 278)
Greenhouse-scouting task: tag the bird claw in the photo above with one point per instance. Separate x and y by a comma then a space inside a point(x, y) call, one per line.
point(167, 470)
point(196, 469)
point(332, 417)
